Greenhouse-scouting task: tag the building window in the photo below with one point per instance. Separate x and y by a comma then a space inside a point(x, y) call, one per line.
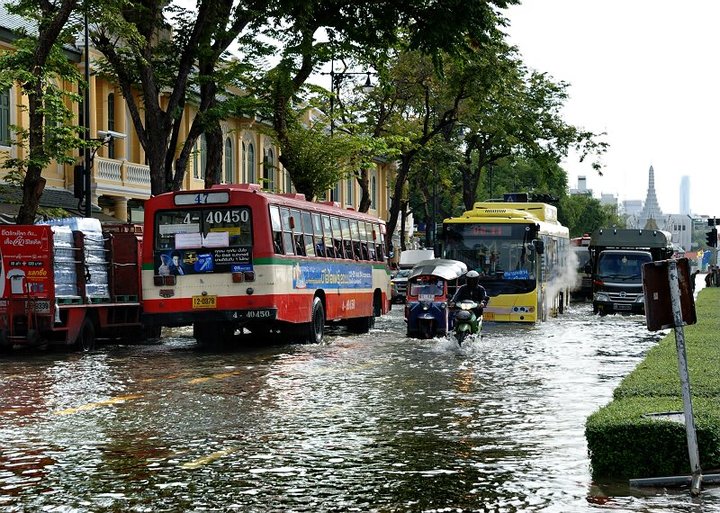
point(251, 163)
point(5, 117)
point(243, 163)
point(200, 160)
point(350, 192)
point(335, 193)
point(269, 167)
point(111, 123)
point(229, 173)
point(373, 192)
point(288, 182)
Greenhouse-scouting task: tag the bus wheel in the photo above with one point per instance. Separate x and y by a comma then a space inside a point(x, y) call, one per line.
point(315, 329)
point(86, 337)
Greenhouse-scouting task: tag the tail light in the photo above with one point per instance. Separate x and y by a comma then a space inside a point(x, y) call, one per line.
point(244, 276)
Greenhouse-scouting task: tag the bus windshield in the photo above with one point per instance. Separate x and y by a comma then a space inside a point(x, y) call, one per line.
point(497, 250)
point(501, 253)
point(203, 228)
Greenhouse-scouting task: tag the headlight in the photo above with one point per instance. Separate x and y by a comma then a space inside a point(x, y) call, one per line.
point(601, 296)
point(640, 298)
point(425, 307)
point(443, 305)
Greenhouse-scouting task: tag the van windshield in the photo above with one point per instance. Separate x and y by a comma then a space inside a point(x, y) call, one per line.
point(621, 266)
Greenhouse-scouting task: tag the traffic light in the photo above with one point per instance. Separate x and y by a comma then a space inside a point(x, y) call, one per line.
point(711, 237)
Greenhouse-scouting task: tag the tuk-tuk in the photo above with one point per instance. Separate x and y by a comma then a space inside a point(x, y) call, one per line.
point(431, 285)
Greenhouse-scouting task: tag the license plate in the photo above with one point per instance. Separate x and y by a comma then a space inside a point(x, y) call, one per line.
point(204, 301)
point(40, 306)
point(426, 297)
point(488, 316)
point(623, 307)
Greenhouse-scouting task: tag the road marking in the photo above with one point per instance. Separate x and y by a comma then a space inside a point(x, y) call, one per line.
point(207, 459)
point(91, 406)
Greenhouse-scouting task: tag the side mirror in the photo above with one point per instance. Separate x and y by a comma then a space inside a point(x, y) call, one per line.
point(539, 246)
point(588, 269)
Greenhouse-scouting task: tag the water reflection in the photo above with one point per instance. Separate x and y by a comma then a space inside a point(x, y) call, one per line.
point(376, 422)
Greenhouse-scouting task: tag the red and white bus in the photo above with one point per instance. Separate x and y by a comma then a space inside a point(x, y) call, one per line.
point(233, 257)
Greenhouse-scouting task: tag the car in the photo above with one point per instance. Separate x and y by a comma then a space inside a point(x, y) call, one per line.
point(398, 286)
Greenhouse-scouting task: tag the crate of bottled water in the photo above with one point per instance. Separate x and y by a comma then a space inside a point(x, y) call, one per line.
point(65, 261)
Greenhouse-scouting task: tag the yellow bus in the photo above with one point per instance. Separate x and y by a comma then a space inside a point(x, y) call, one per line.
point(521, 252)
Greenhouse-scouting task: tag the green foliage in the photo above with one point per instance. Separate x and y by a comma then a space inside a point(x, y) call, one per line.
point(61, 137)
point(583, 214)
point(319, 161)
point(625, 442)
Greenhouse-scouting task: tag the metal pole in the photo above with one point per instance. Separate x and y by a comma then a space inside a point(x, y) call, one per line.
point(332, 95)
point(86, 108)
point(684, 379)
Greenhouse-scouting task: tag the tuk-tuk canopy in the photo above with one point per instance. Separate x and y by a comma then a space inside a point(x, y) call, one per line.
point(444, 268)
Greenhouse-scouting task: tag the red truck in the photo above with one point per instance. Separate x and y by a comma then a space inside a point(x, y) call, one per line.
point(66, 285)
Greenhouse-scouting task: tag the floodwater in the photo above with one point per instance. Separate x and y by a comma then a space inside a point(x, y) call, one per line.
point(374, 422)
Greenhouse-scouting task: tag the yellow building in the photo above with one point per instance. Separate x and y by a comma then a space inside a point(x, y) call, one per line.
point(120, 179)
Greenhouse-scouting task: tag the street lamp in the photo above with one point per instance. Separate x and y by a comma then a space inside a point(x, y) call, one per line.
point(83, 173)
point(336, 78)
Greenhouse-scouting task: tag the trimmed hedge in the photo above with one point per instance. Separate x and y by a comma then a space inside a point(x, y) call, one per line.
point(624, 443)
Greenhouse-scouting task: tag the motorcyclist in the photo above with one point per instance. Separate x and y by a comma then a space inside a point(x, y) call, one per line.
point(473, 291)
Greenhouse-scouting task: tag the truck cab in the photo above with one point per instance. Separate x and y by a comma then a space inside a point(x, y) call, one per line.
point(617, 257)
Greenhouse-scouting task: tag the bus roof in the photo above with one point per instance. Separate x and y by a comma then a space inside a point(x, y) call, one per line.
point(508, 211)
point(290, 200)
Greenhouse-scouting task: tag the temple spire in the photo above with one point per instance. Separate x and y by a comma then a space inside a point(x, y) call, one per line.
point(651, 210)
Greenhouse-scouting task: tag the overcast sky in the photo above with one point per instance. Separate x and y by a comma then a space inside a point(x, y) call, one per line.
point(647, 73)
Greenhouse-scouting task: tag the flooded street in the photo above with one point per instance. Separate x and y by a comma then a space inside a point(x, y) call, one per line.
point(374, 422)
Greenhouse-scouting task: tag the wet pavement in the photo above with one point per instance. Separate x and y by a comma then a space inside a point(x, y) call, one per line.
point(375, 422)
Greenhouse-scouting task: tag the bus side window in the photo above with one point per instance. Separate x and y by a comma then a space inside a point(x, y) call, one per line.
point(287, 232)
point(318, 231)
point(308, 234)
point(347, 241)
point(337, 238)
point(276, 229)
point(327, 237)
point(355, 235)
point(382, 250)
point(297, 232)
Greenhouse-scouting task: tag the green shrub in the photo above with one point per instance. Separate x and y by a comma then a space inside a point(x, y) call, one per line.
point(624, 441)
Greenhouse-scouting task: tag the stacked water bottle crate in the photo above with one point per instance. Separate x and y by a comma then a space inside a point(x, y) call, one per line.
point(94, 258)
point(96, 265)
point(65, 262)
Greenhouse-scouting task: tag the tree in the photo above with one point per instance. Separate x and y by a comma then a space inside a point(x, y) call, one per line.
point(513, 112)
point(365, 30)
point(584, 214)
point(39, 66)
point(146, 54)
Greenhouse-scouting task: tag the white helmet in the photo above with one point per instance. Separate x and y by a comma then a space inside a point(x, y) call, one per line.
point(472, 278)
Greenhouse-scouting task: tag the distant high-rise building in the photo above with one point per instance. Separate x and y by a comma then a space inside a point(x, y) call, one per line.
point(685, 195)
point(582, 187)
point(582, 184)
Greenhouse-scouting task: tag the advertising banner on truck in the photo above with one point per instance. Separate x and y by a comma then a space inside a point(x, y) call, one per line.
point(25, 263)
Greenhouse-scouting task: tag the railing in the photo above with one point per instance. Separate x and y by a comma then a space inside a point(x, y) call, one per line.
point(111, 175)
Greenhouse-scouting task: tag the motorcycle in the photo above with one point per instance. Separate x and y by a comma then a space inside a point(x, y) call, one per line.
point(465, 321)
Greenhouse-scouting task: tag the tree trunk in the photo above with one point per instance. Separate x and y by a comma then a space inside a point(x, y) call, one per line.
point(397, 201)
point(213, 170)
point(365, 199)
point(34, 183)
